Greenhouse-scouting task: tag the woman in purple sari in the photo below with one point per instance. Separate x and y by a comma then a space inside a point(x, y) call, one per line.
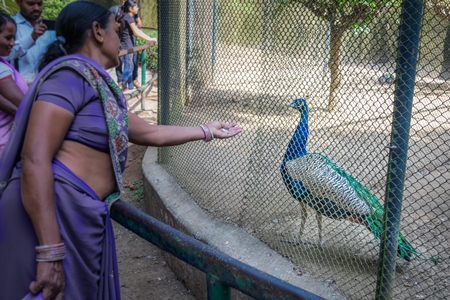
point(63, 163)
point(12, 84)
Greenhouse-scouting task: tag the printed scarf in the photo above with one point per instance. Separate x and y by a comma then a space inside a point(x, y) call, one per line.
point(114, 107)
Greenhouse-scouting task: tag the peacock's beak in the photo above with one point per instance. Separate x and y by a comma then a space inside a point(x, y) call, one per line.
point(291, 104)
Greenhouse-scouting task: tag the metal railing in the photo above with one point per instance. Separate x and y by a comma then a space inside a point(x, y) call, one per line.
point(375, 86)
point(222, 271)
point(146, 86)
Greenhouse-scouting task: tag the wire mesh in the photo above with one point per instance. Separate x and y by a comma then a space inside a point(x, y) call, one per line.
point(245, 61)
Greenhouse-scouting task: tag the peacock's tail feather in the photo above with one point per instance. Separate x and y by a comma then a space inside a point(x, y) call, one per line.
point(404, 249)
point(362, 192)
point(324, 179)
point(375, 219)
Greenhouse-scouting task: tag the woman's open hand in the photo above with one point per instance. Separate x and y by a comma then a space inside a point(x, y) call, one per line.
point(49, 280)
point(152, 41)
point(223, 130)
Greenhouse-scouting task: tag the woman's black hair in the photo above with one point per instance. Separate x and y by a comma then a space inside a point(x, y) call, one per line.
point(5, 19)
point(126, 6)
point(72, 26)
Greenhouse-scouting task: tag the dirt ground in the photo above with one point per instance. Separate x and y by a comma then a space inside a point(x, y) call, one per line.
point(144, 273)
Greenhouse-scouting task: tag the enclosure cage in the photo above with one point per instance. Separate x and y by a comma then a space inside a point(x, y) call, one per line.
point(375, 78)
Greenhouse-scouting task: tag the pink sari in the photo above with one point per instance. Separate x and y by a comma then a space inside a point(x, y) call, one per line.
point(6, 120)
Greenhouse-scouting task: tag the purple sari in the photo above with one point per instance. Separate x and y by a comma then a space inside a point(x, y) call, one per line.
point(6, 119)
point(90, 265)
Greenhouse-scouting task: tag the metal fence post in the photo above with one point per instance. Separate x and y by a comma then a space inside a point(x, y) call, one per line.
point(214, 33)
point(408, 47)
point(189, 49)
point(164, 28)
point(164, 60)
point(216, 289)
point(143, 76)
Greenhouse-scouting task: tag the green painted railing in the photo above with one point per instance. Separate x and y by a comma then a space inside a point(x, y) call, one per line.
point(222, 271)
point(144, 89)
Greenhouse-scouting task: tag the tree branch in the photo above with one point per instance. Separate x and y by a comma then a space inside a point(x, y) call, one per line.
point(441, 9)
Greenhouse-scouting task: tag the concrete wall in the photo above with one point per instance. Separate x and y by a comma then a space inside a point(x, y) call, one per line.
point(166, 201)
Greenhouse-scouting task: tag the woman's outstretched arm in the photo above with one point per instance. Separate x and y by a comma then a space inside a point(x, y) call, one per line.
point(142, 133)
point(140, 34)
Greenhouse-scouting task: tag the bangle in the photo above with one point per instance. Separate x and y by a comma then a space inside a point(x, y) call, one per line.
point(49, 246)
point(208, 133)
point(204, 131)
point(48, 253)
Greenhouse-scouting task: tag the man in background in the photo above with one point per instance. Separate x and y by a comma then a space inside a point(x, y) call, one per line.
point(32, 38)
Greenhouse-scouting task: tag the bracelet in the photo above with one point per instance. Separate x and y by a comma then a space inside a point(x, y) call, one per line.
point(49, 246)
point(48, 253)
point(208, 133)
point(205, 132)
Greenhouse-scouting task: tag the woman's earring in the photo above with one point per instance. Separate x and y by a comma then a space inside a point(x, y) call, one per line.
point(101, 40)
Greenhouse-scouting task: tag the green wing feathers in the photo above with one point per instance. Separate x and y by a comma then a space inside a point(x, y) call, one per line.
point(375, 218)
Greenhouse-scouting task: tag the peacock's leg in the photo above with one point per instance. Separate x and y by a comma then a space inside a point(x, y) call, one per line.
point(303, 216)
point(302, 226)
point(319, 225)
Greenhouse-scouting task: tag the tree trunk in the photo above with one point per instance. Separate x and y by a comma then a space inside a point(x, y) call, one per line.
point(334, 64)
point(445, 67)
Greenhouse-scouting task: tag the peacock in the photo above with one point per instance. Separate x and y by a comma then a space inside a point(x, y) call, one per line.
point(314, 180)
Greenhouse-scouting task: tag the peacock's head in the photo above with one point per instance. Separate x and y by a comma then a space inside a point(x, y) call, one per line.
point(299, 104)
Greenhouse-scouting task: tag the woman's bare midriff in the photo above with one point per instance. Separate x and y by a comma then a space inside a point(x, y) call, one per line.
point(90, 165)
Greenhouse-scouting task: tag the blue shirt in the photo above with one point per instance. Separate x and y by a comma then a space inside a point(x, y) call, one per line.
point(27, 50)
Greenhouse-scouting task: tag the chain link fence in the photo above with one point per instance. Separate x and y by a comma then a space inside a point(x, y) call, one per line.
point(283, 178)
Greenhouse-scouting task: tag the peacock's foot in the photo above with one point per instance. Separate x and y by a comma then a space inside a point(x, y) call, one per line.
point(298, 242)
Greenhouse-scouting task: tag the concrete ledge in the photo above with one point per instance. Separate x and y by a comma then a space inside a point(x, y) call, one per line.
point(165, 200)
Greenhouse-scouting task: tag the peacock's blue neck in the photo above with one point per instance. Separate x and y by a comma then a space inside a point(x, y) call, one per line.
point(297, 145)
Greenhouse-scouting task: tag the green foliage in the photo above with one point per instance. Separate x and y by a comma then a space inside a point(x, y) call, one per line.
point(53, 7)
point(243, 14)
point(9, 7)
point(152, 61)
point(343, 13)
point(138, 193)
point(148, 11)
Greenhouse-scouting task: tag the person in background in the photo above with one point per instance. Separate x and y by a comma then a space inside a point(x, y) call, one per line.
point(12, 85)
point(57, 183)
point(128, 30)
point(116, 11)
point(136, 83)
point(32, 38)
